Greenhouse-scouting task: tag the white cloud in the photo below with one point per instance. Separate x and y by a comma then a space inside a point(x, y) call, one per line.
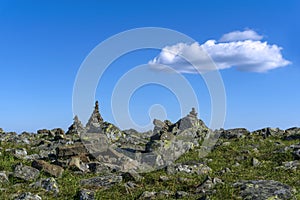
point(240, 35)
point(245, 55)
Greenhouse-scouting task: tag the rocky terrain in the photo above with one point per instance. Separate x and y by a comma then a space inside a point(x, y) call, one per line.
point(174, 161)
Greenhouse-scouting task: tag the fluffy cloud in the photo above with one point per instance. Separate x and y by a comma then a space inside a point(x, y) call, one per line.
point(241, 50)
point(240, 35)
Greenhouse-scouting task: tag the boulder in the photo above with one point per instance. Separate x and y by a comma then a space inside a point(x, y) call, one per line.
point(263, 189)
point(148, 195)
point(26, 173)
point(85, 194)
point(3, 177)
point(48, 184)
point(267, 132)
point(234, 133)
point(101, 181)
point(71, 150)
point(51, 169)
point(28, 196)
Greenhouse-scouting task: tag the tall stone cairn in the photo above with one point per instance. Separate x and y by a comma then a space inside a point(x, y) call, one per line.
point(95, 120)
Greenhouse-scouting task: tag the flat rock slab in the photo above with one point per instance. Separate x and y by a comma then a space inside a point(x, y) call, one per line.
point(69, 151)
point(53, 170)
point(263, 189)
point(28, 196)
point(26, 173)
point(102, 181)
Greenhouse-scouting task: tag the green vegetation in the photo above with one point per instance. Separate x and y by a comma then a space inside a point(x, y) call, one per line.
point(226, 155)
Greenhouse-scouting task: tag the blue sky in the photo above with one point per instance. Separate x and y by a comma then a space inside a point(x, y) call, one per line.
point(43, 44)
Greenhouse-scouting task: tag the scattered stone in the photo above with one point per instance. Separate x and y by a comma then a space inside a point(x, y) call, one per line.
point(148, 195)
point(51, 169)
point(181, 194)
point(20, 153)
point(263, 189)
point(28, 196)
point(25, 172)
point(293, 131)
point(49, 184)
point(164, 178)
point(1, 131)
point(130, 185)
point(267, 132)
point(131, 176)
point(78, 164)
point(85, 194)
point(190, 169)
point(3, 177)
point(102, 181)
point(234, 133)
point(208, 185)
point(291, 165)
point(255, 162)
point(164, 194)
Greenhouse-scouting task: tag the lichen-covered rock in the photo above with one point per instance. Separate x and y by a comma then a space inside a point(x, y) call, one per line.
point(147, 195)
point(197, 168)
point(263, 189)
point(76, 128)
point(234, 133)
point(76, 162)
point(267, 132)
point(292, 131)
point(28, 196)
point(26, 173)
point(85, 194)
point(170, 141)
point(3, 177)
point(101, 181)
point(51, 169)
point(207, 185)
point(20, 153)
point(48, 184)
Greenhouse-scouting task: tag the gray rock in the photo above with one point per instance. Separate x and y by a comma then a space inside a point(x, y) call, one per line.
point(76, 128)
point(234, 133)
point(20, 153)
point(78, 164)
point(28, 196)
point(198, 168)
point(25, 172)
point(263, 189)
point(85, 194)
point(292, 131)
point(48, 184)
point(255, 162)
point(208, 184)
point(267, 132)
point(164, 194)
point(148, 195)
point(291, 165)
point(3, 177)
point(101, 181)
point(181, 194)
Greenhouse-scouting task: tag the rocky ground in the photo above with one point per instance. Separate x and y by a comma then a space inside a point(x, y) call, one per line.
point(100, 161)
